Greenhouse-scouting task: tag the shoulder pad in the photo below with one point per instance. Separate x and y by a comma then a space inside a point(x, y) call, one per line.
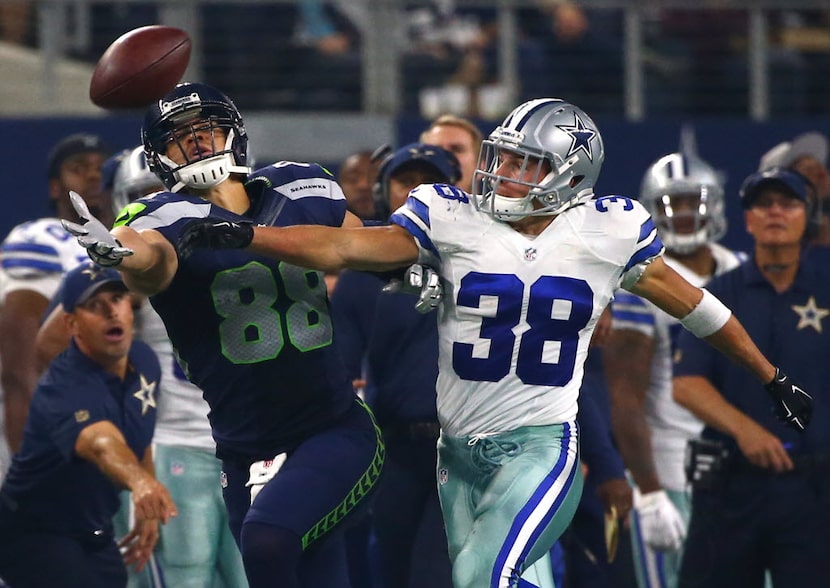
point(164, 208)
point(299, 180)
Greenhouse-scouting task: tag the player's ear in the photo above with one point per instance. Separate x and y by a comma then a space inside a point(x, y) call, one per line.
point(70, 320)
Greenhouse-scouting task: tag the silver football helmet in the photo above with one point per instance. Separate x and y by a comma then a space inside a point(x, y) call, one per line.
point(559, 142)
point(684, 196)
point(133, 179)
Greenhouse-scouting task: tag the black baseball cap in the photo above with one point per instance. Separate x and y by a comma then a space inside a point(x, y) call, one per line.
point(73, 145)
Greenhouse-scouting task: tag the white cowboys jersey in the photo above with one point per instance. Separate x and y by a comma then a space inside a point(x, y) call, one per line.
point(36, 254)
point(181, 417)
point(671, 425)
point(518, 312)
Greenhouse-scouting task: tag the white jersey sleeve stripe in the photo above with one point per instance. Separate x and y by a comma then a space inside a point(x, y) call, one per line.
point(649, 245)
point(413, 224)
point(419, 209)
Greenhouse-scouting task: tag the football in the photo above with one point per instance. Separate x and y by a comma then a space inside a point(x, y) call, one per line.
point(140, 67)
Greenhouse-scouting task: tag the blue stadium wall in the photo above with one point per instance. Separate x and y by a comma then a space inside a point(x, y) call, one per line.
point(732, 146)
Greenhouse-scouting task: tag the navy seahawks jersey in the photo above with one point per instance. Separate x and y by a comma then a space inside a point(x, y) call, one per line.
point(253, 333)
point(48, 486)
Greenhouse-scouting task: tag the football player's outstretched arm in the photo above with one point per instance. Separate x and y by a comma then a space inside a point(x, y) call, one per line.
point(706, 317)
point(313, 246)
point(328, 249)
point(152, 265)
point(147, 260)
point(672, 293)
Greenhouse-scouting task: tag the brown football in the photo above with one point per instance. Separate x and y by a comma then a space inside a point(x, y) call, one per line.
point(140, 67)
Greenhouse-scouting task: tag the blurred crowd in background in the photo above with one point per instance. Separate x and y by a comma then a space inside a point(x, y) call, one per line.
point(306, 55)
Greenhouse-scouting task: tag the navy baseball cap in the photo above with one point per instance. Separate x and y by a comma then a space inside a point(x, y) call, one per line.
point(73, 145)
point(81, 283)
point(436, 157)
point(790, 181)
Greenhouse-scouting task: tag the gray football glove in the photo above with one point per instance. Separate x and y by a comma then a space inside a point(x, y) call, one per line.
point(423, 282)
point(100, 245)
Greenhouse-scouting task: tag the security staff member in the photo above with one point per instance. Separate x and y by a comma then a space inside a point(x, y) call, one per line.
point(87, 435)
point(762, 501)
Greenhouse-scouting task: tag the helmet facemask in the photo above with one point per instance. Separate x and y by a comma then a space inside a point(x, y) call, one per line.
point(688, 220)
point(684, 196)
point(488, 184)
point(176, 123)
point(205, 169)
point(560, 148)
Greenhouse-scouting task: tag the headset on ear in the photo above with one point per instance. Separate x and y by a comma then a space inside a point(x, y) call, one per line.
point(814, 220)
point(383, 154)
point(443, 162)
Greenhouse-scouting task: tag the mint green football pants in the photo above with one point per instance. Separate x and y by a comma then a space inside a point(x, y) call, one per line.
point(506, 499)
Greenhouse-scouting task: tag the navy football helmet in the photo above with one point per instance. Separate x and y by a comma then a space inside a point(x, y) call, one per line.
point(549, 131)
point(685, 197)
point(184, 112)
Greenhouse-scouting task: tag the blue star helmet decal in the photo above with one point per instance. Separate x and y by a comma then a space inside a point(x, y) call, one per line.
point(581, 136)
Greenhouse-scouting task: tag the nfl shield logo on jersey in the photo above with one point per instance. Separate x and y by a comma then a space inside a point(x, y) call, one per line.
point(530, 254)
point(223, 479)
point(443, 476)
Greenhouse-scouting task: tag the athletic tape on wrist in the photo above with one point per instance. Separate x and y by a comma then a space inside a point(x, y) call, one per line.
point(707, 317)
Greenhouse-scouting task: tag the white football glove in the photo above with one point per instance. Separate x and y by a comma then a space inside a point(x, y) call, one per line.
point(661, 525)
point(422, 281)
point(100, 245)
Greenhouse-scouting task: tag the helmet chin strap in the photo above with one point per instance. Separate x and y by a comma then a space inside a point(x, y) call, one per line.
point(511, 209)
point(206, 173)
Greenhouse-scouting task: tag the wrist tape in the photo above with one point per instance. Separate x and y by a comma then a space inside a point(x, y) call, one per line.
point(707, 317)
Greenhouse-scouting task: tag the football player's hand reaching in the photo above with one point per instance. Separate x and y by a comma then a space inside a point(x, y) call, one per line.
point(423, 282)
point(793, 405)
point(92, 235)
point(213, 233)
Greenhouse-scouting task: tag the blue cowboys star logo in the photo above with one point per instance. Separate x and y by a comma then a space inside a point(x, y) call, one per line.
point(146, 394)
point(581, 137)
point(810, 315)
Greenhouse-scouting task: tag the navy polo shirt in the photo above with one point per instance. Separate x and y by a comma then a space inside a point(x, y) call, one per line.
point(401, 347)
point(48, 487)
point(791, 328)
